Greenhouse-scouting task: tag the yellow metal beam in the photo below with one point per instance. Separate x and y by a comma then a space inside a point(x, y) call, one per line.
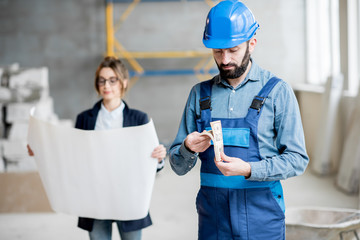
point(132, 82)
point(109, 30)
point(114, 47)
point(134, 64)
point(171, 54)
point(125, 15)
point(200, 77)
point(210, 3)
point(201, 63)
point(209, 65)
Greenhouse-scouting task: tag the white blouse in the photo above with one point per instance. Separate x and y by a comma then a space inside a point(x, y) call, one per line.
point(110, 120)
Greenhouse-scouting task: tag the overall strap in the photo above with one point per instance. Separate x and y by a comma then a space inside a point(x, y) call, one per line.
point(259, 100)
point(205, 100)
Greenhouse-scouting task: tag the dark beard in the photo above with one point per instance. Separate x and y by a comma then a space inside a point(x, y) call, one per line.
point(239, 70)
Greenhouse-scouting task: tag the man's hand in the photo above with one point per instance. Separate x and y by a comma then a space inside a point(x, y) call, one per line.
point(197, 142)
point(231, 166)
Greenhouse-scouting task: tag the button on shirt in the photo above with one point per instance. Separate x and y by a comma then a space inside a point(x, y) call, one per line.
point(280, 131)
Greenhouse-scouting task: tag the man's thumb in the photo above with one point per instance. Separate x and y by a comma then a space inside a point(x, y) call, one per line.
point(224, 157)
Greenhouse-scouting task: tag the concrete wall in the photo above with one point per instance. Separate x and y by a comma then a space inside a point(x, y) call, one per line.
point(69, 38)
point(66, 36)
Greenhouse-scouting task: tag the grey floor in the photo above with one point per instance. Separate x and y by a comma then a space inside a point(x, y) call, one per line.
point(173, 209)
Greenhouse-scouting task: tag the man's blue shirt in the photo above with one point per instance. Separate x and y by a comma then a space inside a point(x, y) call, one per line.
point(280, 131)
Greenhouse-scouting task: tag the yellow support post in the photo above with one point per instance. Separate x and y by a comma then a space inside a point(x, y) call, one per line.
point(209, 64)
point(171, 54)
point(109, 29)
point(200, 64)
point(126, 14)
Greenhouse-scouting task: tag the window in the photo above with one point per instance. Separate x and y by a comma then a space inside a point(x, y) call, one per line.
point(332, 42)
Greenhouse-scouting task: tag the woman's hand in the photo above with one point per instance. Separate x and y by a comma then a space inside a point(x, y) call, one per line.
point(30, 152)
point(159, 153)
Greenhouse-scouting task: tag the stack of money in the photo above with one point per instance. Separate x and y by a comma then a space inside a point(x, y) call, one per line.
point(217, 137)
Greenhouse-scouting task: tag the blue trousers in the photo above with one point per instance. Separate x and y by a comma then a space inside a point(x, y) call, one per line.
point(239, 214)
point(102, 230)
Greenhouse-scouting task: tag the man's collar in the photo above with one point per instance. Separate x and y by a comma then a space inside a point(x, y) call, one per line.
point(253, 74)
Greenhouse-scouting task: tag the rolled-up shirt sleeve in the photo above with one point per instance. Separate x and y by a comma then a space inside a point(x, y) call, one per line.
point(181, 159)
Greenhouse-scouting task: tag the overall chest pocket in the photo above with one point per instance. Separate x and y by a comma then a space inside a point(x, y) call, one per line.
point(235, 137)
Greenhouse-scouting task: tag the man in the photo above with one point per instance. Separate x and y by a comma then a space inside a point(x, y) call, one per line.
point(241, 196)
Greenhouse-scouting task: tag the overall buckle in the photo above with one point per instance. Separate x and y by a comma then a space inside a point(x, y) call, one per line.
point(257, 103)
point(205, 103)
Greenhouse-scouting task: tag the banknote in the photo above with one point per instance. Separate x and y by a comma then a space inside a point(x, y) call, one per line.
point(217, 137)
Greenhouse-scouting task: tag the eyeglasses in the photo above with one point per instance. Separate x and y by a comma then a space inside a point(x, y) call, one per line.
point(112, 81)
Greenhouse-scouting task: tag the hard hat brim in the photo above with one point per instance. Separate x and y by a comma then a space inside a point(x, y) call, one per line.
point(222, 43)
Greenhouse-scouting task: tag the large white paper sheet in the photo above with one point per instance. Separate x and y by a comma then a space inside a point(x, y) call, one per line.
point(106, 174)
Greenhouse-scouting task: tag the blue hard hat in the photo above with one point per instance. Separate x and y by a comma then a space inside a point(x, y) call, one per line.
point(229, 24)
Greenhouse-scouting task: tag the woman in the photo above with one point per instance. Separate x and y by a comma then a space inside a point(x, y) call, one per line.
point(111, 79)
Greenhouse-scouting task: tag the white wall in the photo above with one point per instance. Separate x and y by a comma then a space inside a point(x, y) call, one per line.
point(281, 37)
point(310, 103)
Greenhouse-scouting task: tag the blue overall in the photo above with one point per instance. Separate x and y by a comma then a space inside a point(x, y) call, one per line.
point(233, 207)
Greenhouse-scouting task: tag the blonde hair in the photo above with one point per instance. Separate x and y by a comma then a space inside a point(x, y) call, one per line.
point(119, 69)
